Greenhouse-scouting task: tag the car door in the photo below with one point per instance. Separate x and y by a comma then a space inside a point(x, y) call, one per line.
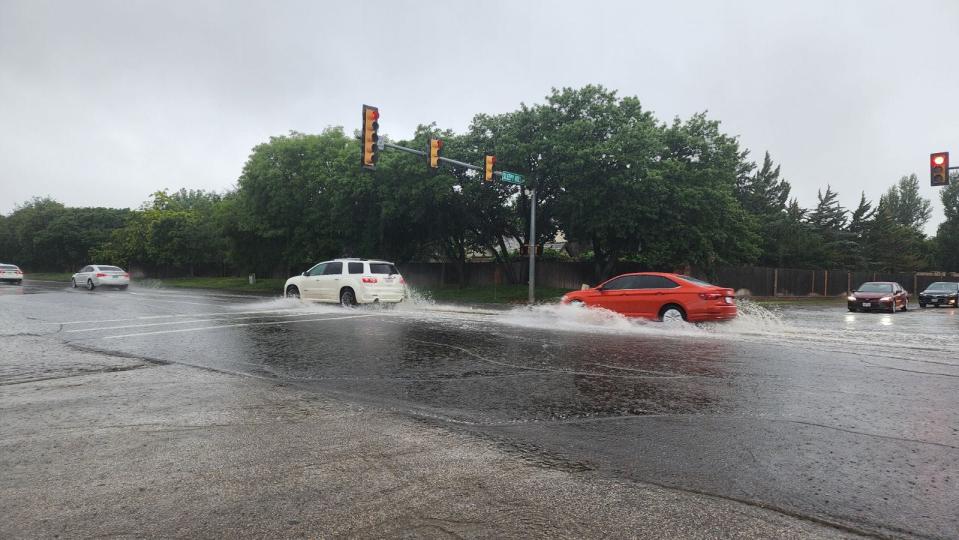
point(84, 274)
point(652, 293)
point(613, 294)
point(311, 282)
point(328, 285)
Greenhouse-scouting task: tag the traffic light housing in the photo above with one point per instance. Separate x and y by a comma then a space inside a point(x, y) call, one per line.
point(939, 168)
point(488, 162)
point(433, 155)
point(369, 137)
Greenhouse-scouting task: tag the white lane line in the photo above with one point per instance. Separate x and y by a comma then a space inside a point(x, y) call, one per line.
point(224, 319)
point(236, 325)
point(147, 317)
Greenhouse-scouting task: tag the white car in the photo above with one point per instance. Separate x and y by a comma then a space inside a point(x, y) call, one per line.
point(97, 275)
point(11, 273)
point(349, 282)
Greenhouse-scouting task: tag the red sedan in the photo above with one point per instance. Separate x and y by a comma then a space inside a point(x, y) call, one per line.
point(664, 297)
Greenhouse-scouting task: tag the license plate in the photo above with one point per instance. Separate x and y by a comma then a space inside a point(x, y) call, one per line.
point(866, 304)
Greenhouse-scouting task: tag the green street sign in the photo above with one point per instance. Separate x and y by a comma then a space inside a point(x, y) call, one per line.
point(512, 178)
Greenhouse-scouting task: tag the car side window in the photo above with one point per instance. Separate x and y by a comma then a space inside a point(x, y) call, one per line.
point(620, 283)
point(355, 267)
point(86, 269)
point(656, 282)
point(333, 269)
point(316, 270)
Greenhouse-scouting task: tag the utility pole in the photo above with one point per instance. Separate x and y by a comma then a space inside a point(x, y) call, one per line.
point(532, 245)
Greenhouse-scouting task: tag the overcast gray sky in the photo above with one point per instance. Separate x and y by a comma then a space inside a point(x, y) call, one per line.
point(102, 103)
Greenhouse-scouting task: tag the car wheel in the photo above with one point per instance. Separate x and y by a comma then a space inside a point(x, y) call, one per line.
point(852, 309)
point(347, 297)
point(577, 303)
point(905, 305)
point(892, 308)
point(123, 287)
point(292, 292)
point(922, 306)
point(19, 282)
point(74, 281)
point(672, 314)
point(90, 285)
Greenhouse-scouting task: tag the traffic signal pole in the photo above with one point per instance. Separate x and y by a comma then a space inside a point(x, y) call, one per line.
point(442, 159)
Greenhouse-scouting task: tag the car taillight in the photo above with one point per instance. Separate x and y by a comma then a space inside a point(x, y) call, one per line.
point(710, 295)
point(101, 274)
point(402, 281)
point(369, 280)
point(20, 271)
point(126, 275)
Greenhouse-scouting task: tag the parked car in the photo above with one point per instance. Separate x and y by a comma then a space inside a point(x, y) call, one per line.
point(97, 275)
point(878, 296)
point(658, 296)
point(11, 273)
point(349, 282)
point(940, 293)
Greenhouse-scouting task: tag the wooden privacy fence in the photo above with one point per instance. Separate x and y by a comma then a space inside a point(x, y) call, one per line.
point(752, 280)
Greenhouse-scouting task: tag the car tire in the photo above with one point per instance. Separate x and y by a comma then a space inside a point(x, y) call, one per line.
point(90, 285)
point(123, 287)
point(852, 310)
point(577, 303)
point(922, 306)
point(293, 292)
point(347, 297)
point(671, 314)
point(905, 306)
point(892, 308)
point(74, 282)
point(19, 282)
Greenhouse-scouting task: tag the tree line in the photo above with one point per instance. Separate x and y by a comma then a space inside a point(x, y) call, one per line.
point(618, 183)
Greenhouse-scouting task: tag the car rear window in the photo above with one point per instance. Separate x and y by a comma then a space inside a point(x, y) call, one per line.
point(110, 269)
point(697, 281)
point(356, 268)
point(382, 268)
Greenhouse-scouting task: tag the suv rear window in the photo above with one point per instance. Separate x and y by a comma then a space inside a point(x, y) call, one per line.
point(382, 268)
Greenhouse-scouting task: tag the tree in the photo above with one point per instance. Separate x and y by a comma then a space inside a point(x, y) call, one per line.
point(906, 206)
point(947, 237)
point(764, 195)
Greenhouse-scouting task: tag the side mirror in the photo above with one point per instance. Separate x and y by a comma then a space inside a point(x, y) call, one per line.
point(304, 273)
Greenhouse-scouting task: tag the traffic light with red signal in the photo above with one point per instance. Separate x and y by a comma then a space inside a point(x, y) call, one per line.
point(433, 159)
point(369, 137)
point(488, 162)
point(939, 168)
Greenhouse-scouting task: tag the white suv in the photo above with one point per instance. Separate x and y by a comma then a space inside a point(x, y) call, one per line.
point(349, 282)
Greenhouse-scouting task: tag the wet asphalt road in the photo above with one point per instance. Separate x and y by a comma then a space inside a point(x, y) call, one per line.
point(848, 419)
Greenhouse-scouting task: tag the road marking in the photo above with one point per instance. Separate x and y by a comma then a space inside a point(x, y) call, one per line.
point(236, 325)
point(226, 319)
point(147, 317)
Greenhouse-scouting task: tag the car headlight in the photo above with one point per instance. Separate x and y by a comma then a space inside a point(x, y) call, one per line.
point(885, 299)
point(851, 298)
